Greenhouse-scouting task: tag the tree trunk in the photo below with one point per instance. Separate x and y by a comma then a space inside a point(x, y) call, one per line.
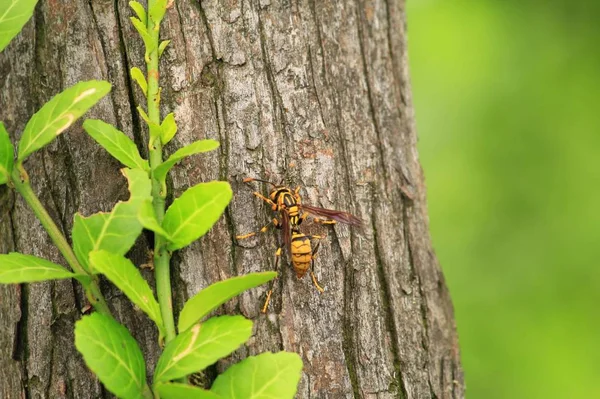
point(316, 92)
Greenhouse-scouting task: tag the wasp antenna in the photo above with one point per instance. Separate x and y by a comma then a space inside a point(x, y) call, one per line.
point(249, 179)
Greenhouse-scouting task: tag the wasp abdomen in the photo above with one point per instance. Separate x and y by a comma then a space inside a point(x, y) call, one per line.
point(301, 254)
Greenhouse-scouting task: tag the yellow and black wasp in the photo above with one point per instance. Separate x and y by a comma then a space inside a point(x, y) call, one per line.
point(292, 212)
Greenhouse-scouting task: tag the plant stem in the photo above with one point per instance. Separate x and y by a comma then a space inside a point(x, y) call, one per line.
point(20, 180)
point(162, 257)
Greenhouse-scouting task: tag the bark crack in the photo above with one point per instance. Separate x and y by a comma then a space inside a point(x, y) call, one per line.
point(433, 395)
point(386, 296)
point(72, 180)
point(211, 40)
point(415, 275)
point(314, 85)
point(422, 298)
point(397, 79)
point(104, 53)
point(20, 352)
point(280, 121)
point(20, 342)
point(365, 65)
point(48, 387)
point(219, 105)
point(182, 32)
point(454, 381)
point(138, 136)
point(348, 341)
point(313, 9)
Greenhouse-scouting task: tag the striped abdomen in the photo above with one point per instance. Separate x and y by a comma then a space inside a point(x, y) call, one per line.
point(301, 254)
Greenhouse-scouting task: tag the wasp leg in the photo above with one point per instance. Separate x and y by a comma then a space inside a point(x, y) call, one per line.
point(267, 200)
point(312, 265)
point(266, 305)
point(324, 221)
point(302, 217)
point(275, 222)
point(259, 195)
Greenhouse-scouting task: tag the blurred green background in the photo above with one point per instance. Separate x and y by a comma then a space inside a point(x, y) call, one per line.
point(507, 99)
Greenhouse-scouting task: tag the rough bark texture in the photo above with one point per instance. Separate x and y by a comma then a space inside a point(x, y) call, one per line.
point(316, 92)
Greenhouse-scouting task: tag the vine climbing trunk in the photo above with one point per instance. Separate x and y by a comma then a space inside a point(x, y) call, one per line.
point(313, 92)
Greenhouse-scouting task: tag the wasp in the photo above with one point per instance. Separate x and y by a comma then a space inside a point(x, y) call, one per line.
point(288, 205)
point(303, 255)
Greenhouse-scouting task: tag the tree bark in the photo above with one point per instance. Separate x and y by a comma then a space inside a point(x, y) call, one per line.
point(316, 92)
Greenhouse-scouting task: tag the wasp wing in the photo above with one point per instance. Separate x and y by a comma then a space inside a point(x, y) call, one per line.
point(285, 230)
point(338, 216)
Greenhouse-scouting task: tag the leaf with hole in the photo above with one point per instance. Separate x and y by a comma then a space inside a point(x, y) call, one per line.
point(157, 12)
point(138, 76)
point(139, 10)
point(59, 113)
point(142, 30)
point(116, 143)
point(16, 268)
point(183, 391)
point(126, 277)
point(217, 294)
point(197, 147)
point(14, 14)
point(7, 155)
point(268, 375)
point(168, 128)
point(195, 211)
point(117, 230)
point(113, 355)
point(201, 346)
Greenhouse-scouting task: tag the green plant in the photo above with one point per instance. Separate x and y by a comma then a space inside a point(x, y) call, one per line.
point(13, 15)
point(100, 242)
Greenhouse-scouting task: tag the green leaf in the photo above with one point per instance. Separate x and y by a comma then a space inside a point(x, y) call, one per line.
point(162, 46)
point(117, 230)
point(139, 10)
point(217, 294)
point(7, 155)
point(116, 143)
point(16, 268)
point(147, 217)
point(112, 354)
point(201, 346)
point(157, 12)
point(122, 273)
point(168, 128)
point(141, 28)
point(138, 76)
point(59, 113)
point(268, 375)
point(196, 147)
point(195, 211)
point(14, 14)
point(183, 391)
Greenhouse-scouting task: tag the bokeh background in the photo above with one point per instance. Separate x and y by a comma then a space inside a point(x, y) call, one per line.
point(507, 99)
